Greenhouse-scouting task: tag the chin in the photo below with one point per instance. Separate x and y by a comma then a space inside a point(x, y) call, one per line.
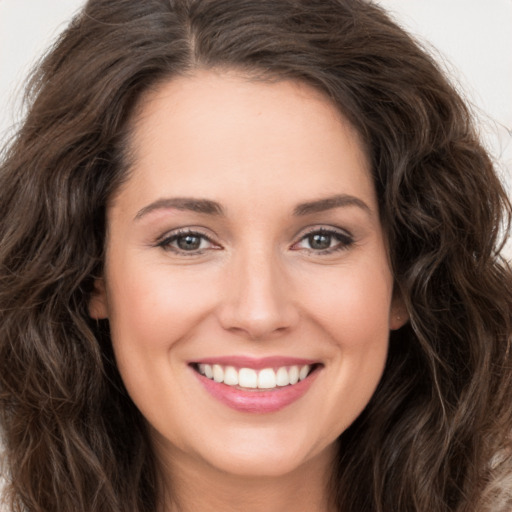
point(263, 455)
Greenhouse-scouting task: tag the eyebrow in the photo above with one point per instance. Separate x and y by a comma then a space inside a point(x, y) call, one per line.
point(209, 207)
point(205, 206)
point(328, 203)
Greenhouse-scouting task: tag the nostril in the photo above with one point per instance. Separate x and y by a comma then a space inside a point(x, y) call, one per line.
point(258, 323)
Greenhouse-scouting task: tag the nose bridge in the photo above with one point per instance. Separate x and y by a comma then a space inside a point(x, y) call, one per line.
point(257, 299)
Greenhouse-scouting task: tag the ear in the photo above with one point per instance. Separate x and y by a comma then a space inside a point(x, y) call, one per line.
point(98, 307)
point(398, 314)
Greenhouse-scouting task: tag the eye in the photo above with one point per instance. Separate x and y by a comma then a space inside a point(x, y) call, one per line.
point(186, 241)
point(324, 241)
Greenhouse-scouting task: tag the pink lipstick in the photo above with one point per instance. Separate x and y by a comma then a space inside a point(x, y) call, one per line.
point(260, 385)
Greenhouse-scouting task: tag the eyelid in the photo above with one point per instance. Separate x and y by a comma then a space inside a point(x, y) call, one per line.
point(164, 241)
point(344, 237)
point(323, 228)
point(347, 238)
point(192, 230)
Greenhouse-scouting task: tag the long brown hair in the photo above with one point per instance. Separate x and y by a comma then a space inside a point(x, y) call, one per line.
point(435, 436)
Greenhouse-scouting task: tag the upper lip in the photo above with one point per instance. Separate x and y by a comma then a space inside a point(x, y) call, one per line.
point(256, 363)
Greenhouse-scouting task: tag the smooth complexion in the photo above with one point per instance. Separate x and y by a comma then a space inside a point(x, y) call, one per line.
point(248, 229)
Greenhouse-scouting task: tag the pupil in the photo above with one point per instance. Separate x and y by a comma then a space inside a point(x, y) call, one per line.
point(189, 242)
point(320, 241)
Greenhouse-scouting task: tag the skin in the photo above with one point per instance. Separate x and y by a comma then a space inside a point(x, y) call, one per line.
point(256, 287)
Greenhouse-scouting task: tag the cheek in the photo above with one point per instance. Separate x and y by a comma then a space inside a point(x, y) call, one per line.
point(353, 305)
point(155, 307)
point(353, 308)
point(153, 311)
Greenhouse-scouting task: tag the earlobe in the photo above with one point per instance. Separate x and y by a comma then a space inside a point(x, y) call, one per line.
point(398, 320)
point(398, 315)
point(98, 309)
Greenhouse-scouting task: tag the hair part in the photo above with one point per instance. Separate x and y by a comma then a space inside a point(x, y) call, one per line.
point(436, 434)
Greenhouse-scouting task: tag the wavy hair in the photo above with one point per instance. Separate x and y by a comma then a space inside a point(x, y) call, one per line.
point(436, 434)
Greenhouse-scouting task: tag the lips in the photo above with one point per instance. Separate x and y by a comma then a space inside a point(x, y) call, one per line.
point(256, 385)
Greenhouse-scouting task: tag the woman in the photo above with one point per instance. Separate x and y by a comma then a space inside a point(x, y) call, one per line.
point(250, 260)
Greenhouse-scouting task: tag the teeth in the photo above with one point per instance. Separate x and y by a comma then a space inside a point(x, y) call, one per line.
point(268, 378)
point(218, 373)
point(231, 376)
point(247, 378)
point(303, 372)
point(206, 369)
point(282, 377)
point(294, 374)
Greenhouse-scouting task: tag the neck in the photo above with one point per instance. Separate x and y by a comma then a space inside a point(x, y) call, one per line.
point(192, 486)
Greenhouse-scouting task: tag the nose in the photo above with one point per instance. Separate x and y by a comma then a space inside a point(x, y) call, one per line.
point(258, 298)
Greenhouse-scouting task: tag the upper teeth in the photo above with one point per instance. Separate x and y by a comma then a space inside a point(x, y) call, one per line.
point(267, 378)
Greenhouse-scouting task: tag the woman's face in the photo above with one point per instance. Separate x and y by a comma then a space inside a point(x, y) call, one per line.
point(246, 248)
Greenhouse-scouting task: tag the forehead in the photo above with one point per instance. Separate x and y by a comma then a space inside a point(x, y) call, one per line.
point(199, 133)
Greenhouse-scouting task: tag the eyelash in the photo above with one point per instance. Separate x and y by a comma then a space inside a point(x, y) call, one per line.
point(167, 242)
point(345, 240)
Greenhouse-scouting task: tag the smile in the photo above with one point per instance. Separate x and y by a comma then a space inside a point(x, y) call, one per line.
point(249, 378)
point(256, 385)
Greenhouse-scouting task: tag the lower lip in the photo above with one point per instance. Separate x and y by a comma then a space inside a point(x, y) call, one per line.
point(257, 401)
